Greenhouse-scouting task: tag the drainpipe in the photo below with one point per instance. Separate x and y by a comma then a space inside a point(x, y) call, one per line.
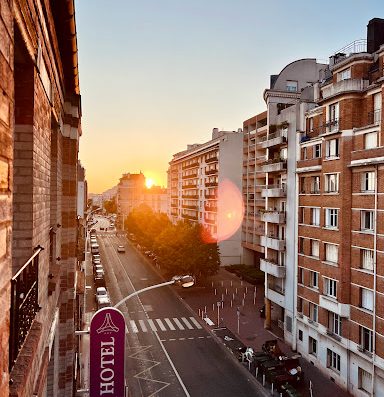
point(294, 323)
point(72, 30)
point(374, 284)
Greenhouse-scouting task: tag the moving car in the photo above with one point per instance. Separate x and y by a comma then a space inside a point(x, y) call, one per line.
point(121, 248)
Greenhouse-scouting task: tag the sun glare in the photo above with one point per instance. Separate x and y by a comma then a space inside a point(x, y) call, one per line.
point(149, 183)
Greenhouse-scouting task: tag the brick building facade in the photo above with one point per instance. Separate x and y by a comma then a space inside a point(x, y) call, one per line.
point(39, 131)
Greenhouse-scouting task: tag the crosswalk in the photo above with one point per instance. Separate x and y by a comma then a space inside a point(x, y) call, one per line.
point(163, 325)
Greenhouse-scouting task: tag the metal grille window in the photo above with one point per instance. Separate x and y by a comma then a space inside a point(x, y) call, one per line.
point(368, 181)
point(24, 304)
point(330, 287)
point(333, 360)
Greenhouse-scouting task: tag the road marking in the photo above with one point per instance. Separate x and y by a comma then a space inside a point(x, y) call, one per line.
point(133, 326)
point(152, 325)
point(169, 323)
point(197, 325)
point(209, 321)
point(142, 325)
point(161, 325)
point(172, 339)
point(201, 337)
point(181, 338)
point(191, 338)
point(178, 323)
point(189, 326)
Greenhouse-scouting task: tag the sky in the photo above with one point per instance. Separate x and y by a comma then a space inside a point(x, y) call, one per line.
point(156, 75)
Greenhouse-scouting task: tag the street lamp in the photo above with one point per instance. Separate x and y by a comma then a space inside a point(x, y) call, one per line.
point(184, 281)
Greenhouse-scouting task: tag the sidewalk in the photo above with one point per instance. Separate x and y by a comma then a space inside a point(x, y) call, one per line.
point(229, 287)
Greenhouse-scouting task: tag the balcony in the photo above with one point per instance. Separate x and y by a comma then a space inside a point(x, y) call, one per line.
point(272, 268)
point(210, 172)
point(174, 212)
point(273, 243)
point(211, 159)
point(274, 139)
point(332, 305)
point(210, 221)
point(273, 216)
point(190, 185)
point(24, 304)
point(191, 165)
point(211, 208)
point(275, 294)
point(344, 86)
point(190, 196)
point(191, 207)
point(174, 205)
point(191, 175)
point(191, 217)
point(275, 165)
point(274, 191)
point(210, 196)
point(210, 184)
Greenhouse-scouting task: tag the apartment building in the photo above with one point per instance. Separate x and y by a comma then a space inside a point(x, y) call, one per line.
point(340, 174)
point(201, 181)
point(40, 128)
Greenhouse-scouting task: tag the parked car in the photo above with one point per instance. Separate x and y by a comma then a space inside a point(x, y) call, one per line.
point(103, 301)
point(121, 248)
point(101, 291)
point(95, 257)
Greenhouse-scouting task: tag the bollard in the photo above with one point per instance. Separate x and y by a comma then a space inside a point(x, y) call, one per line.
point(212, 284)
point(233, 296)
point(222, 297)
point(272, 389)
point(205, 309)
point(257, 371)
point(226, 291)
point(222, 283)
point(199, 312)
point(213, 306)
point(281, 394)
point(215, 292)
point(263, 379)
point(241, 282)
point(243, 302)
point(222, 304)
point(231, 283)
point(246, 290)
point(231, 302)
point(236, 290)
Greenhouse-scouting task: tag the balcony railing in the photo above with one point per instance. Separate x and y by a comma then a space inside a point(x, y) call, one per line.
point(343, 86)
point(211, 159)
point(24, 304)
point(190, 165)
point(192, 217)
point(210, 172)
point(191, 207)
point(192, 175)
point(189, 185)
point(332, 125)
point(190, 196)
point(209, 184)
point(210, 221)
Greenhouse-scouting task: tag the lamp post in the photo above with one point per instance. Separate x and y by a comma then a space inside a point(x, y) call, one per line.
point(184, 281)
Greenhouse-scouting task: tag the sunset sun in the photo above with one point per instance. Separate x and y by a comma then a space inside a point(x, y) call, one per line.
point(149, 183)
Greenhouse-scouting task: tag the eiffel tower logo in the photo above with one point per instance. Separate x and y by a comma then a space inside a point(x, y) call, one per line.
point(107, 326)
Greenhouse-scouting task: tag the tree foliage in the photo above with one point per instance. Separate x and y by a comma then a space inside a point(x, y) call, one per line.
point(110, 205)
point(180, 248)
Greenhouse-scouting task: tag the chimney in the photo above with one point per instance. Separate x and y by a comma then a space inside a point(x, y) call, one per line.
point(375, 34)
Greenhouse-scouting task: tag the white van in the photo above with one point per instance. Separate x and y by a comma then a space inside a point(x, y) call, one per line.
point(95, 248)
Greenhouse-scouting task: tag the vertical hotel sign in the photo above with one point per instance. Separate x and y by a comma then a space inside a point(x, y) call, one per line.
point(107, 344)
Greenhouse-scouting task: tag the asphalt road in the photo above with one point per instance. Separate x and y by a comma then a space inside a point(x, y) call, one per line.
point(168, 351)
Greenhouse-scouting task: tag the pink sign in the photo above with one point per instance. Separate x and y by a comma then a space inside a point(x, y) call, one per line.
point(107, 344)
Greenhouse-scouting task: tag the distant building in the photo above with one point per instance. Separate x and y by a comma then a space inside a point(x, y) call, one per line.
point(194, 179)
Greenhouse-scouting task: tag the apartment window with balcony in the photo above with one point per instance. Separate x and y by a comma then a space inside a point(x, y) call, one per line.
point(366, 299)
point(317, 151)
point(331, 218)
point(315, 248)
point(330, 287)
point(333, 117)
point(365, 381)
point(366, 339)
point(291, 86)
point(366, 259)
point(368, 181)
point(314, 279)
point(331, 183)
point(334, 323)
point(333, 360)
point(315, 184)
point(332, 148)
point(370, 140)
point(331, 253)
point(344, 74)
point(312, 346)
point(367, 221)
point(315, 216)
point(313, 312)
point(300, 276)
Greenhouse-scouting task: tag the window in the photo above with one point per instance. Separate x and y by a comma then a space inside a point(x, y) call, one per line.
point(370, 140)
point(315, 216)
point(333, 360)
point(291, 86)
point(301, 245)
point(334, 323)
point(313, 312)
point(313, 279)
point(366, 299)
point(367, 223)
point(366, 259)
point(300, 305)
point(331, 183)
point(304, 154)
point(333, 116)
point(332, 148)
point(315, 248)
point(315, 184)
point(284, 154)
point(344, 74)
point(330, 287)
point(317, 151)
point(302, 184)
point(312, 346)
point(368, 181)
point(365, 380)
point(300, 275)
point(310, 124)
point(366, 339)
point(377, 108)
point(331, 253)
point(300, 335)
point(301, 214)
point(331, 217)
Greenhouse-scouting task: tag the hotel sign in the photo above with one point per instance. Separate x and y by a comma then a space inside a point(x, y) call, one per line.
point(107, 349)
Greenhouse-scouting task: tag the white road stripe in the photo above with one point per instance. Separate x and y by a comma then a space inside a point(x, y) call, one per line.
point(178, 323)
point(169, 323)
point(152, 325)
point(189, 326)
point(142, 325)
point(161, 325)
point(197, 325)
point(133, 326)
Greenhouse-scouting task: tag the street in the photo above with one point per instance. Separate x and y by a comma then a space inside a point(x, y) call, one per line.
point(169, 353)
